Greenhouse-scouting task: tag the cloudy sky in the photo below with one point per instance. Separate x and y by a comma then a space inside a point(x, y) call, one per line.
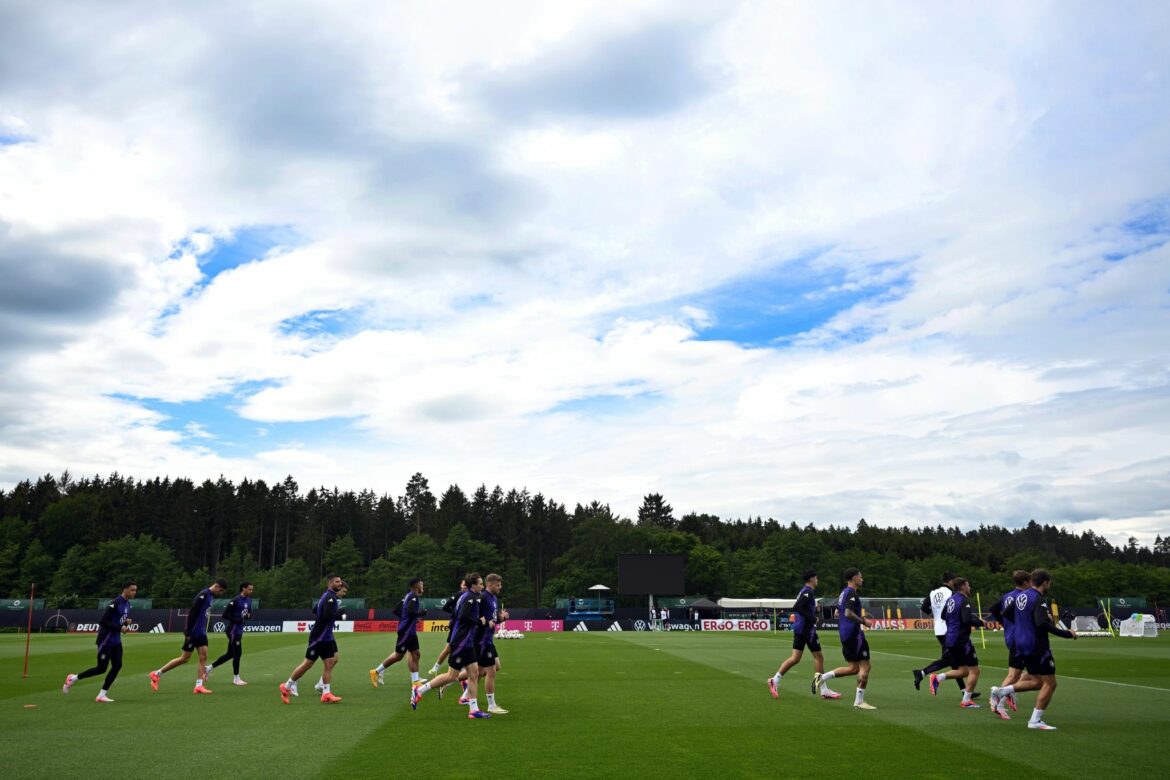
point(807, 261)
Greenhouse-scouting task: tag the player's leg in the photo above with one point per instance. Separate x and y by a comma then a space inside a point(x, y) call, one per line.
point(183, 658)
point(412, 665)
point(443, 654)
point(862, 681)
point(201, 674)
point(237, 647)
point(789, 662)
point(1047, 688)
point(472, 694)
point(103, 661)
point(115, 667)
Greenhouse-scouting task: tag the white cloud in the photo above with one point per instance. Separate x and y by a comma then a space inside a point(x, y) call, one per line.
point(519, 286)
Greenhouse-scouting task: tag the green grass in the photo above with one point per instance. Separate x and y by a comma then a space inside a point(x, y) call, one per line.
point(582, 705)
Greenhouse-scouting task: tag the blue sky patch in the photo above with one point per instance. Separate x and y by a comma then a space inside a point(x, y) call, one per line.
point(608, 404)
point(323, 322)
point(244, 246)
point(779, 304)
point(213, 423)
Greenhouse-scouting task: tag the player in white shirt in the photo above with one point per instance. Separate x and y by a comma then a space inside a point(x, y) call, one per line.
point(935, 604)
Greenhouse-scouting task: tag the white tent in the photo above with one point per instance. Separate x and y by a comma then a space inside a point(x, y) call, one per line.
point(726, 603)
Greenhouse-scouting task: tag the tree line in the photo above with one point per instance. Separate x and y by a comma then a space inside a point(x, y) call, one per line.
point(79, 538)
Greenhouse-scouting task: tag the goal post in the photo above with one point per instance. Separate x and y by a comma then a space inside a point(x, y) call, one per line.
point(1138, 625)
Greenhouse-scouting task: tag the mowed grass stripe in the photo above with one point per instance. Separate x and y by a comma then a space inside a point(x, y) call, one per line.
point(582, 705)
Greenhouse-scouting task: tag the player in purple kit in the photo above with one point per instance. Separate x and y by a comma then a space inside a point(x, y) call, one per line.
point(463, 652)
point(1033, 625)
point(958, 651)
point(853, 644)
point(321, 644)
point(804, 635)
point(449, 606)
point(238, 610)
point(115, 619)
point(194, 636)
point(1004, 611)
point(485, 645)
point(409, 613)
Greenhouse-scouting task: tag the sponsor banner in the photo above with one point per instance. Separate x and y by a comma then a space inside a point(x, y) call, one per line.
point(250, 627)
point(435, 626)
point(305, 626)
point(92, 628)
point(738, 624)
point(534, 625)
point(375, 625)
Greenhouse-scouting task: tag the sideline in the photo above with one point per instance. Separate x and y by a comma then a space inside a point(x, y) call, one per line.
point(1060, 676)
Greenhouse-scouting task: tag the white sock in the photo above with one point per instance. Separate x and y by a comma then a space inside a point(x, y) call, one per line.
point(379, 668)
point(1037, 716)
point(325, 688)
point(776, 678)
point(825, 688)
point(860, 696)
point(491, 700)
point(414, 677)
point(474, 705)
point(290, 683)
point(102, 692)
point(423, 688)
point(827, 676)
point(1006, 691)
point(199, 682)
point(966, 696)
point(235, 678)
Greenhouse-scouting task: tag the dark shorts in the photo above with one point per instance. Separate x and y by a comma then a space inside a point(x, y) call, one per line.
point(1040, 664)
point(942, 640)
point(809, 640)
point(111, 654)
point(407, 645)
point(1015, 661)
point(461, 659)
point(856, 649)
point(322, 650)
point(192, 642)
point(488, 655)
point(962, 655)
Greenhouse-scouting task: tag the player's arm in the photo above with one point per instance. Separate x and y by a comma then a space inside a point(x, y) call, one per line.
point(325, 619)
point(193, 614)
point(856, 618)
point(997, 611)
point(110, 619)
point(925, 606)
point(968, 616)
point(1042, 619)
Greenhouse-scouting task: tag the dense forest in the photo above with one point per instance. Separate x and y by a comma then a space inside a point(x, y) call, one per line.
point(77, 539)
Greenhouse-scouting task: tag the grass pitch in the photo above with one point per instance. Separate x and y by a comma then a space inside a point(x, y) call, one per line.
point(582, 705)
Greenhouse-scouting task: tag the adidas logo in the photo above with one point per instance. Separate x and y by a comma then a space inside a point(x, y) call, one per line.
point(580, 627)
point(614, 627)
point(158, 629)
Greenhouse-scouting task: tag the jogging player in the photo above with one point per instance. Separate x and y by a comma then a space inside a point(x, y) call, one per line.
point(854, 646)
point(115, 619)
point(934, 605)
point(321, 644)
point(1033, 624)
point(449, 606)
point(237, 611)
point(485, 645)
point(194, 636)
point(959, 651)
point(1004, 611)
point(804, 635)
point(409, 612)
point(463, 654)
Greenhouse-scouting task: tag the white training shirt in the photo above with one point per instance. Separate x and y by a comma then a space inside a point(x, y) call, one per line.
point(938, 604)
